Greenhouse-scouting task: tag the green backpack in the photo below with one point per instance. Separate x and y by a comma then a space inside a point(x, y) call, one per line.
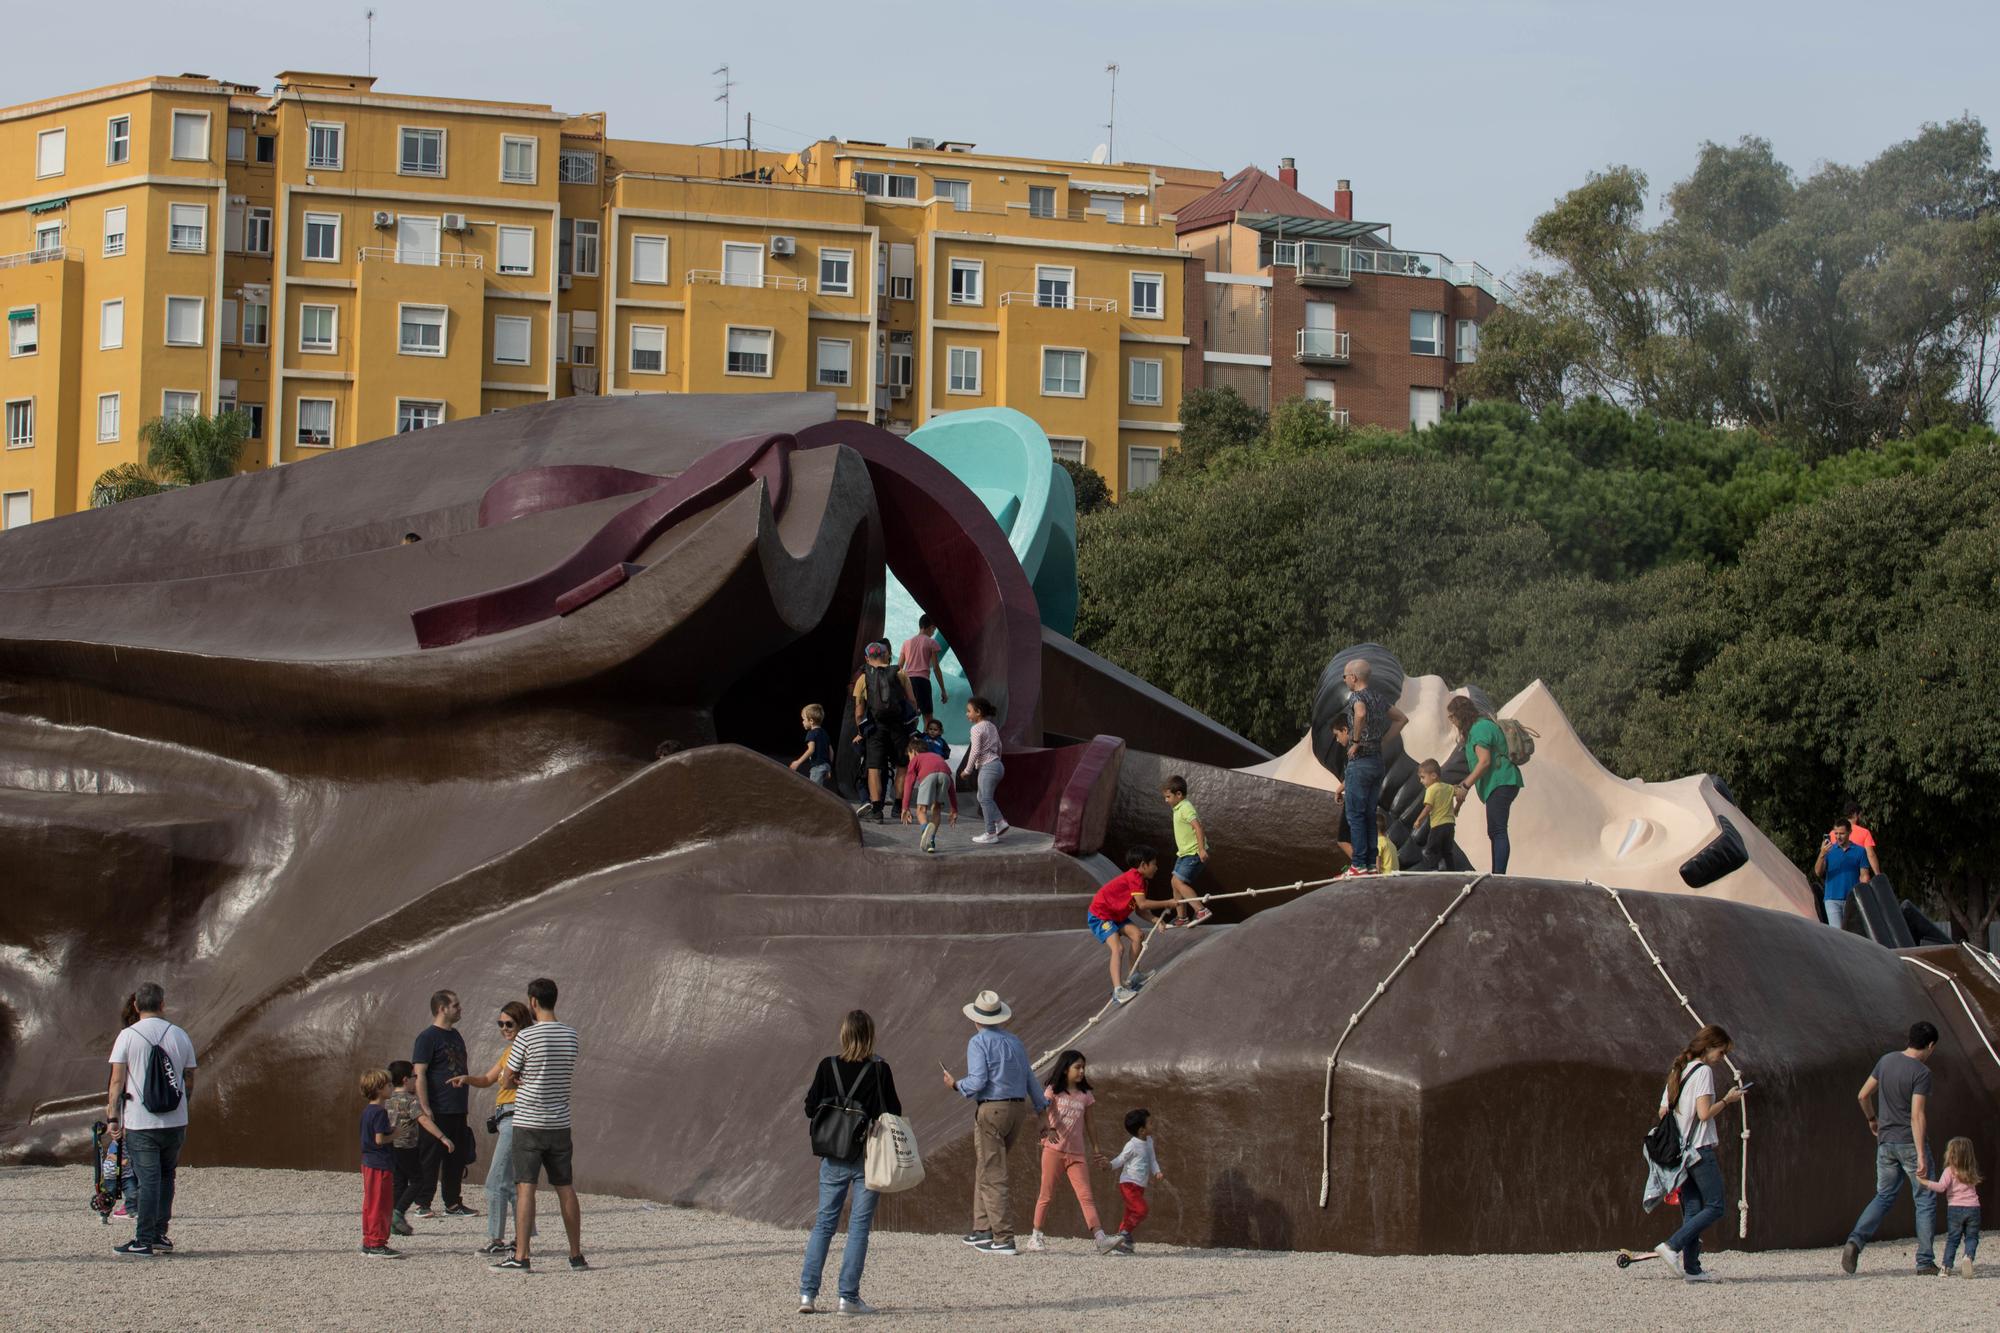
point(1520, 738)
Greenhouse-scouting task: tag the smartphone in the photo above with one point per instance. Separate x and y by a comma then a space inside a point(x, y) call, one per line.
point(1747, 1086)
point(945, 1067)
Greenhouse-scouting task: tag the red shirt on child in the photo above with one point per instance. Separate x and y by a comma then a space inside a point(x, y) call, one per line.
point(922, 765)
point(1113, 902)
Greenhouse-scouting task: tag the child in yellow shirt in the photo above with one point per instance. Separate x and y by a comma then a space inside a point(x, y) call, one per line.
point(1438, 824)
point(1386, 859)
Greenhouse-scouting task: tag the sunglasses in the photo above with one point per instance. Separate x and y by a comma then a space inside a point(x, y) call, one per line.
point(506, 1022)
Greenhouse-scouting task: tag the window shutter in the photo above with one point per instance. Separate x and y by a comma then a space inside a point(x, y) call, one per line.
point(562, 337)
point(225, 320)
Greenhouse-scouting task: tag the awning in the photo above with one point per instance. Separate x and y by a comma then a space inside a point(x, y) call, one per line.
point(1107, 187)
point(1308, 229)
point(48, 206)
point(20, 316)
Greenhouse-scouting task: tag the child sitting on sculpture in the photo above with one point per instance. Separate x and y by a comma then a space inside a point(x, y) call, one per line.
point(1190, 853)
point(816, 760)
point(1386, 859)
point(1110, 918)
point(927, 785)
point(1437, 825)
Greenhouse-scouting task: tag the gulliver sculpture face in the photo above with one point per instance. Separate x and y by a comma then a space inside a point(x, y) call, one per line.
point(229, 762)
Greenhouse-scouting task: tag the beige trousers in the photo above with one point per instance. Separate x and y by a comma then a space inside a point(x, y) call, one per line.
point(994, 1128)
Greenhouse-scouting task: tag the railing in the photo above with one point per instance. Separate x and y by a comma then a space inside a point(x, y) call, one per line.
point(1322, 345)
point(389, 254)
point(47, 255)
point(718, 278)
point(1135, 213)
point(1053, 302)
point(1320, 263)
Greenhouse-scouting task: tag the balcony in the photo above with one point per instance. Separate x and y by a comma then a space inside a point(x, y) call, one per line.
point(718, 278)
point(389, 254)
point(1321, 347)
point(1324, 265)
point(53, 254)
point(1060, 301)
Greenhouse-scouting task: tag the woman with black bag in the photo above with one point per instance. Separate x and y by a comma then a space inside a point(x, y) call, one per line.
point(1690, 1098)
point(849, 1092)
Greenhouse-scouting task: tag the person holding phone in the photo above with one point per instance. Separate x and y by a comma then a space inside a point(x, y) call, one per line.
point(1843, 866)
point(1690, 1095)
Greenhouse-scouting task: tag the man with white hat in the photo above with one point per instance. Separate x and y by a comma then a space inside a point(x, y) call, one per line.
point(1001, 1080)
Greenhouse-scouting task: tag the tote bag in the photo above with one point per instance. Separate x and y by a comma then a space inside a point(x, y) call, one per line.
point(894, 1164)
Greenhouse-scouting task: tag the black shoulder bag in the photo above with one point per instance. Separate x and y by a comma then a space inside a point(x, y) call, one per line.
point(839, 1124)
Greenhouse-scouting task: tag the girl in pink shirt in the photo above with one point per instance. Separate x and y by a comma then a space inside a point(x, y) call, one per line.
point(982, 759)
point(1064, 1147)
point(1960, 1186)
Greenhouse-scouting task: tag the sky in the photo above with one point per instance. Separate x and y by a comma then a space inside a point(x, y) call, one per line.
point(1457, 122)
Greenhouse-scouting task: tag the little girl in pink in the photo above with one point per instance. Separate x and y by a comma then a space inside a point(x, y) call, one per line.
point(1960, 1186)
point(1065, 1145)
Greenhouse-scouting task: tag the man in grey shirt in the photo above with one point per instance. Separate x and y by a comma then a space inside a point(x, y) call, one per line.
point(1894, 1101)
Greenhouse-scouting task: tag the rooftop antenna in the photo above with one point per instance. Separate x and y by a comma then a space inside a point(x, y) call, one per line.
point(1111, 125)
point(723, 97)
point(370, 17)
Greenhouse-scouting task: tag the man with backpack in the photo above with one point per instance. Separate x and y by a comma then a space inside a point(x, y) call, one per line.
point(147, 1107)
point(883, 703)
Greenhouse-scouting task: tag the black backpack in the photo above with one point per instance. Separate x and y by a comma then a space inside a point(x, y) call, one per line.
point(160, 1090)
point(839, 1124)
point(885, 700)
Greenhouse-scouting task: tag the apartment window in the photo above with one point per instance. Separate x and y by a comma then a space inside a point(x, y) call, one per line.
point(1426, 333)
point(836, 273)
point(118, 140)
point(107, 417)
point(253, 417)
point(114, 231)
point(316, 423)
point(48, 237)
point(24, 331)
point(511, 340)
point(191, 136)
point(1467, 350)
point(317, 327)
point(1426, 408)
point(1145, 387)
point(323, 237)
point(870, 183)
point(836, 362)
point(517, 160)
point(421, 330)
point(1142, 466)
point(742, 265)
point(1111, 207)
point(238, 137)
point(902, 361)
point(51, 152)
point(1053, 287)
point(962, 370)
point(959, 192)
point(1062, 372)
point(180, 403)
point(968, 282)
point(880, 186)
point(422, 153)
point(583, 338)
point(256, 323)
point(417, 415)
point(184, 318)
point(1066, 450)
point(902, 289)
point(649, 259)
point(517, 249)
point(649, 349)
point(225, 397)
point(20, 423)
point(577, 167)
point(1041, 201)
point(267, 152)
point(17, 509)
point(1320, 391)
point(187, 228)
point(585, 250)
point(1284, 254)
point(257, 231)
point(326, 145)
point(111, 324)
point(1146, 289)
point(748, 352)
point(419, 240)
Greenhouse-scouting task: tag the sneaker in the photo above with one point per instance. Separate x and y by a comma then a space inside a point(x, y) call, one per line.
point(1353, 872)
point(1138, 980)
point(381, 1252)
point(422, 1211)
point(1965, 1268)
point(578, 1264)
point(120, 1210)
point(399, 1227)
point(984, 838)
point(1001, 831)
point(1004, 1248)
point(511, 1265)
point(1168, 923)
point(928, 838)
point(494, 1248)
point(1037, 1242)
point(1201, 916)
point(1125, 1245)
point(805, 1304)
point(163, 1245)
point(459, 1210)
point(977, 1238)
point(1671, 1259)
point(1705, 1275)
point(136, 1248)
point(1124, 995)
point(1106, 1244)
point(855, 1306)
point(1850, 1258)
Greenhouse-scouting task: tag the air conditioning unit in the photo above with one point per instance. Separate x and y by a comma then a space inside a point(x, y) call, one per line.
point(784, 245)
point(899, 392)
point(923, 145)
point(453, 222)
point(384, 218)
point(563, 280)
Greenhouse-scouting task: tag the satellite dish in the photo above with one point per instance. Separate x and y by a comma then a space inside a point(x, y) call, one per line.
point(1100, 154)
point(806, 160)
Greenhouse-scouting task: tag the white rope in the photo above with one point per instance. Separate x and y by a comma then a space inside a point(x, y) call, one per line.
point(1984, 959)
point(1953, 983)
point(1354, 1021)
point(1743, 1171)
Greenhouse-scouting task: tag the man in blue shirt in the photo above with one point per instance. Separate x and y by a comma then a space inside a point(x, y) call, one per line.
point(1000, 1078)
point(1843, 864)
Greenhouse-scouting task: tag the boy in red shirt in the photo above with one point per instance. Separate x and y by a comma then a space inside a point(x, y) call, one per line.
point(930, 776)
point(1111, 916)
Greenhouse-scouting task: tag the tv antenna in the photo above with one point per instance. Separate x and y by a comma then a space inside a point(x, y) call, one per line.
point(369, 17)
point(1111, 125)
point(723, 97)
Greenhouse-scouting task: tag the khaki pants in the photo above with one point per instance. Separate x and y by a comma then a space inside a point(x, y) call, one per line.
point(994, 1127)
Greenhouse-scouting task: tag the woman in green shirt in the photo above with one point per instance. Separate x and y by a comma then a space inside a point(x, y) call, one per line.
point(1494, 775)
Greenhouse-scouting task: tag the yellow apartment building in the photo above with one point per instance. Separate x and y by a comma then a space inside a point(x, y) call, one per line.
point(341, 264)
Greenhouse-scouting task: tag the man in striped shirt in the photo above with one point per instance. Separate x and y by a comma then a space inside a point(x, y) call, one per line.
point(541, 1066)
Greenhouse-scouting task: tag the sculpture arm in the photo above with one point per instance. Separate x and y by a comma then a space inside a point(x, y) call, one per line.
point(1398, 719)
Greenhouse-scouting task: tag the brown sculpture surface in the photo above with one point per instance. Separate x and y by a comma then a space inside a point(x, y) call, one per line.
point(228, 762)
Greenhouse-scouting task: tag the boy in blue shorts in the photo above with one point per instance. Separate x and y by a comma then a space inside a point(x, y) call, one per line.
point(1111, 921)
point(1190, 854)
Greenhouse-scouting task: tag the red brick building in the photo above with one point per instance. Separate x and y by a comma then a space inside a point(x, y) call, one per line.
point(1301, 301)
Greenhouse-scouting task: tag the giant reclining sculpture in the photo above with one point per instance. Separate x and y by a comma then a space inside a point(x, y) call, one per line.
point(304, 775)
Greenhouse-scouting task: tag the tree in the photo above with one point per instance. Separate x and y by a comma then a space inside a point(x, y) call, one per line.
point(1213, 420)
point(185, 449)
point(1092, 491)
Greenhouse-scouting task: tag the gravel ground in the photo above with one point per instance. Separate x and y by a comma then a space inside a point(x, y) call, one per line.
point(279, 1249)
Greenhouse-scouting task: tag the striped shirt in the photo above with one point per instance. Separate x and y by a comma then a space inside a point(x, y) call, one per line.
point(544, 1056)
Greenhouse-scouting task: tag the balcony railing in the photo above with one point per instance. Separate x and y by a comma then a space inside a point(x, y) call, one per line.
point(389, 254)
point(1324, 265)
point(717, 277)
point(1052, 301)
point(46, 255)
point(1325, 346)
point(1330, 265)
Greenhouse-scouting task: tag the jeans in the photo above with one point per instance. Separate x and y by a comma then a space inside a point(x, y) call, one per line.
point(835, 1180)
point(1363, 792)
point(156, 1155)
point(1836, 913)
point(500, 1181)
point(820, 775)
point(1701, 1205)
point(989, 774)
point(1961, 1224)
point(1895, 1162)
point(1499, 805)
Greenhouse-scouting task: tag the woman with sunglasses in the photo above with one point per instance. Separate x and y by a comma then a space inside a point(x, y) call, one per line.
point(500, 1168)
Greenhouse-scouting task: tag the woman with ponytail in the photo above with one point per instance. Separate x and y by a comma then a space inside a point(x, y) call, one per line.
point(1691, 1096)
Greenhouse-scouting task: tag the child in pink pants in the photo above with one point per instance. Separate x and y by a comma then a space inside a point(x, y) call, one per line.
point(1067, 1149)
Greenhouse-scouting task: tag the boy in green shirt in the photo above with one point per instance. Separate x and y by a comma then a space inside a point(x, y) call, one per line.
point(1190, 854)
